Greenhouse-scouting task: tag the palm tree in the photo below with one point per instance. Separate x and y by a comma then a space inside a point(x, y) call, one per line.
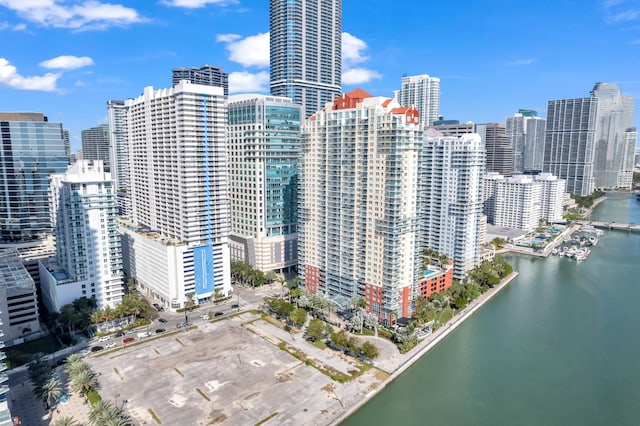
point(51, 391)
point(65, 421)
point(83, 382)
point(75, 368)
point(105, 413)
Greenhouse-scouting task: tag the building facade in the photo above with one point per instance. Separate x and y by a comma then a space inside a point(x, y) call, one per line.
point(358, 203)
point(88, 261)
point(32, 149)
point(569, 148)
point(499, 153)
point(119, 154)
point(179, 190)
point(451, 184)
point(95, 145)
point(306, 51)
point(263, 138)
point(614, 142)
point(423, 92)
point(206, 75)
point(525, 132)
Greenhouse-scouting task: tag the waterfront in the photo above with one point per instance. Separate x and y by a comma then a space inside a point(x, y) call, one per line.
point(556, 346)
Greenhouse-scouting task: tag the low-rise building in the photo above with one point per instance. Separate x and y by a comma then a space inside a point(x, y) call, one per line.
point(435, 279)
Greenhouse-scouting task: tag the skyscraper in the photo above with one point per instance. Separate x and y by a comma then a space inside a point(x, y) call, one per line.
point(306, 51)
point(206, 75)
point(32, 149)
point(263, 138)
point(88, 261)
point(423, 92)
point(358, 203)
point(450, 198)
point(119, 154)
point(525, 132)
point(613, 166)
point(95, 145)
point(499, 154)
point(176, 241)
point(569, 147)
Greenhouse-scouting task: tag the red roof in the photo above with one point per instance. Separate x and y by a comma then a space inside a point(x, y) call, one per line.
point(351, 99)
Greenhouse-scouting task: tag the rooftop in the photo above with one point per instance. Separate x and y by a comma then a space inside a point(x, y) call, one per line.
point(12, 271)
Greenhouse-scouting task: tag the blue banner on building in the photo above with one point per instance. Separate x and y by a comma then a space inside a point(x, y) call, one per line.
point(203, 269)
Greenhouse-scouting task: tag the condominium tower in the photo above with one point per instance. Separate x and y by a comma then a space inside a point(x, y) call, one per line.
point(423, 92)
point(263, 138)
point(569, 148)
point(614, 147)
point(306, 51)
point(95, 145)
point(358, 203)
point(206, 75)
point(119, 154)
point(32, 149)
point(451, 183)
point(176, 241)
point(525, 133)
point(499, 153)
point(88, 260)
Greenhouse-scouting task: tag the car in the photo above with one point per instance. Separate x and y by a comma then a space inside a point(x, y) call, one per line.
point(162, 320)
point(110, 345)
point(218, 314)
point(84, 352)
point(96, 348)
point(160, 330)
point(128, 340)
point(131, 331)
point(180, 324)
point(155, 305)
point(235, 306)
point(204, 316)
point(119, 334)
point(104, 338)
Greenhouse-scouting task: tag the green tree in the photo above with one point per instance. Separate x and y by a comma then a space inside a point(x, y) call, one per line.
point(105, 413)
point(298, 317)
point(316, 329)
point(370, 350)
point(189, 304)
point(339, 339)
point(65, 421)
point(51, 391)
point(83, 382)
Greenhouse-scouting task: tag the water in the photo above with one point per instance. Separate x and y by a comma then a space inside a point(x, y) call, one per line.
point(558, 346)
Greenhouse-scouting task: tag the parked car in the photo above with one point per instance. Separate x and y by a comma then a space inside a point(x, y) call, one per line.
point(160, 330)
point(96, 348)
point(110, 345)
point(104, 338)
point(132, 331)
point(128, 340)
point(162, 320)
point(84, 352)
point(180, 324)
point(235, 306)
point(218, 314)
point(119, 334)
point(204, 316)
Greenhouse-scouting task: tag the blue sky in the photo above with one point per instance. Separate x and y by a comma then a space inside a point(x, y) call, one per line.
point(66, 58)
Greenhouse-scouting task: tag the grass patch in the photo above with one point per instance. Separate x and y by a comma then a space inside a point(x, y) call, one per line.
point(21, 354)
point(93, 396)
point(155, 418)
point(202, 394)
point(179, 372)
point(266, 419)
point(319, 344)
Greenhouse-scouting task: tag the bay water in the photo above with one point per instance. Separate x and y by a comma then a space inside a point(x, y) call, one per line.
point(560, 345)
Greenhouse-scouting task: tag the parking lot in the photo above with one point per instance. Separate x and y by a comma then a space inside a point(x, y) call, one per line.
point(222, 372)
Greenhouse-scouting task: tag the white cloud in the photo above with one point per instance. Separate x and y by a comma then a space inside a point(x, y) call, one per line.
point(352, 54)
point(245, 82)
point(67, 62)
point(12, 27)
point(194, 4)
point(635, 42)
point(623, 16)
point(611, 3)
point(9, 77)
point(527, 61)
point(91, 14)
point(251, 51)
point(359, 76)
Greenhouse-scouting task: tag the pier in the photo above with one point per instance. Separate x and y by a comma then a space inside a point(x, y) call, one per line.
point(629, 227)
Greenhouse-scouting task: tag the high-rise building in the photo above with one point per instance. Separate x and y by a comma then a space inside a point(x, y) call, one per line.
point(451, 184)
point(423, 92)
point(613, 164)
point(552, 197)
point(306, 51)
point(67, 142)
point(358, 203)
point(498, 150)
point(95, 145)
point(569, 148)
point(525, 132)
point(176, 240)
point(263, 138)
point(119, 154)
point(32, 149)
point(454, 127)
point(206, 75)
point(88, 261)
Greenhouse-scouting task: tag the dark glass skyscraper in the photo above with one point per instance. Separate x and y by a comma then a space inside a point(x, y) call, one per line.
point(31, 150)
point(306, 51)
point(206, 75)
point(95, 145)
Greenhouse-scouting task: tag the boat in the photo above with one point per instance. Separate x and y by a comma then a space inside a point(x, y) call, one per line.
point(593, 241)
point(555, 251)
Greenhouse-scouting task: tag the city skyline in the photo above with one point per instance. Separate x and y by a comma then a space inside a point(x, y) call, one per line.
point(81, 54)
